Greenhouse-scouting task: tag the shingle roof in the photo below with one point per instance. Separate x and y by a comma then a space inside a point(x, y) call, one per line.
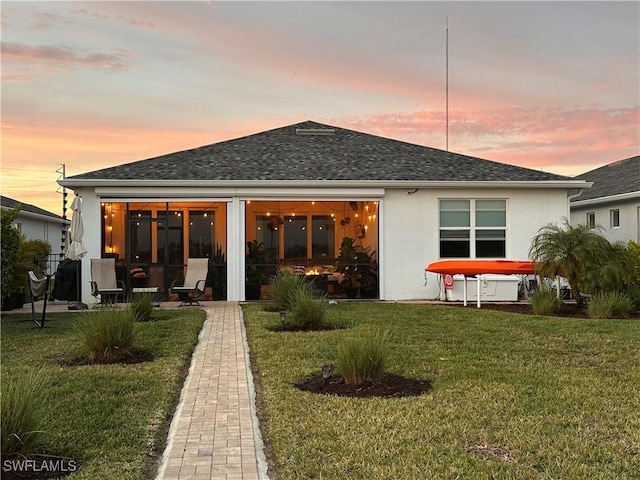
point(614, 179)
point(10, 203)
point(295, 153)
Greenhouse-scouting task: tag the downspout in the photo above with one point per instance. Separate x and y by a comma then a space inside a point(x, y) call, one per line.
point(570, 197)
point(574, 195)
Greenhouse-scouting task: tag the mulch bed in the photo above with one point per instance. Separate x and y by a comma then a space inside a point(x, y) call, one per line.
point(568, 310)
point(388, 386)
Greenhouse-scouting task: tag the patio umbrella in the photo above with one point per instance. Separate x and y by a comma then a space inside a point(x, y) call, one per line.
point(76, 249)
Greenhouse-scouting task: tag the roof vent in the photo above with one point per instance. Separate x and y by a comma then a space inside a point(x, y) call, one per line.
point(315, 131)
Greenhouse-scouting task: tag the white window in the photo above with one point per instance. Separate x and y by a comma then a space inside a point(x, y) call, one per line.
point(591, 219)
point(473, 228)
point(614, 218)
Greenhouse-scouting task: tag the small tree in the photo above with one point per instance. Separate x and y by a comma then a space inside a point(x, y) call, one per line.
point(574, 251)
point(9, 252)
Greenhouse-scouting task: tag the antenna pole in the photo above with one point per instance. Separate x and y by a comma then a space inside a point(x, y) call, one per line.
point(447, 84)
point(63, 225)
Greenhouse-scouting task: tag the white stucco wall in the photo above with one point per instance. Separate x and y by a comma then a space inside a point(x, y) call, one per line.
point(410, 234)
point(39, 227)
point(629, 228)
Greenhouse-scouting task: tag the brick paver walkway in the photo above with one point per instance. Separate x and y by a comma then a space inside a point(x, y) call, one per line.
point(215, 434)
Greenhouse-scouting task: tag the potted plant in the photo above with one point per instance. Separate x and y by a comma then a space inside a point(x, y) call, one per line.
point(359, 269)
point(218, 268)
point(369, 280)
point(255, 265)
point(348, 266)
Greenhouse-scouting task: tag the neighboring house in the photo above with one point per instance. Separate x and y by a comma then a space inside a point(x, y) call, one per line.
point(613, 202)
point(302, 188)
point(38, 224)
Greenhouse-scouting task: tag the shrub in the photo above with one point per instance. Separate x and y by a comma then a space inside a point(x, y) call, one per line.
point(18, 412)
point(362, 359)
point(10, 245)
point(545, 302)
point(633, 292)
point(284, 287)
point(141, 306)
point(307, 310)
point(609, 305)
point(109, 334)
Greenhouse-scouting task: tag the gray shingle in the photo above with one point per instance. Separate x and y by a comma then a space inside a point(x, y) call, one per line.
point(282, 154)
point(613, 179)
point(10, 203)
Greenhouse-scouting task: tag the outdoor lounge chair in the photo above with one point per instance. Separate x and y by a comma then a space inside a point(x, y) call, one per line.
point(103, 280)
point(194, 282)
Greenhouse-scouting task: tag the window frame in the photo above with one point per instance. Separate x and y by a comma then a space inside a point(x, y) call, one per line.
point(614, 218)
point(591, 219)
point(474, 241)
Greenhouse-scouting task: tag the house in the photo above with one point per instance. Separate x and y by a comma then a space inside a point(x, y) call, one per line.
point(300, 190)
point(38, 224)
point(613, 202)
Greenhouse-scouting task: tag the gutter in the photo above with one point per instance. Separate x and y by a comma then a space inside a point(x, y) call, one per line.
point(608, 199)
point(410, 184)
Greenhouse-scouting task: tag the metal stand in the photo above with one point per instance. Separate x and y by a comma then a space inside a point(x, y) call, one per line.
point(35, 292)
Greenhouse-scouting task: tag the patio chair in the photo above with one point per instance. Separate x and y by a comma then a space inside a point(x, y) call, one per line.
point(103, 281)
point(194, 282)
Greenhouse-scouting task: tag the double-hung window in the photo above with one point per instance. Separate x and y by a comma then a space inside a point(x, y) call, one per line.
point(473, 228)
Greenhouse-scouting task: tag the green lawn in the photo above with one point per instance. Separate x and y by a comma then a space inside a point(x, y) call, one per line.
point(112, 419)
point(514, 397)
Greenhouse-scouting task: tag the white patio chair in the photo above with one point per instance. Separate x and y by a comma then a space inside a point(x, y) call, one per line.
point(103, 281)
point(194, 282)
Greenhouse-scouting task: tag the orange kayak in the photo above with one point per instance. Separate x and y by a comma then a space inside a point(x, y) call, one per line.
point(479, 267)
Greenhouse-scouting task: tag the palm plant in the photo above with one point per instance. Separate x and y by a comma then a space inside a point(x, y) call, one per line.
point(617, 270)
point(574, 251)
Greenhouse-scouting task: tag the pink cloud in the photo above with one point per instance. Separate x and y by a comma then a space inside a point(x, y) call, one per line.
point(128, 20)
point(61, 57)
point(567, 141)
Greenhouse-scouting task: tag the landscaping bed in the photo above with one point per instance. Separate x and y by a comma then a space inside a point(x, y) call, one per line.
point(567, 310)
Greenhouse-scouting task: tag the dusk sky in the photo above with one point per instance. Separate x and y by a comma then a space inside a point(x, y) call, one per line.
point(553, 86)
